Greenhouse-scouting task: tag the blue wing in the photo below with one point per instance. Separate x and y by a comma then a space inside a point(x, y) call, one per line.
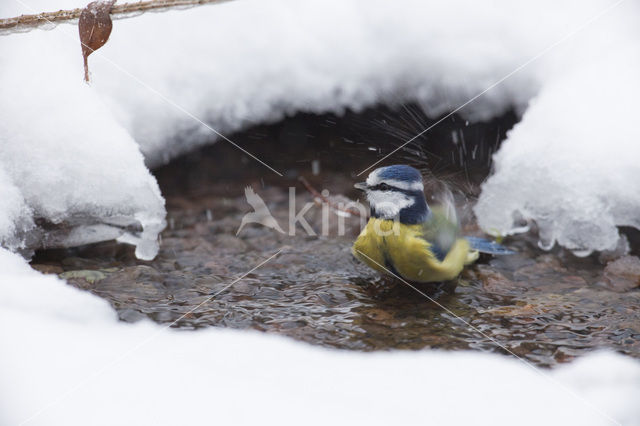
point(485, 246)
point(438, 252)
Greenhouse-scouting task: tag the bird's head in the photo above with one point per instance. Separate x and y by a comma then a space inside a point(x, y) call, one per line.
point(396, 192)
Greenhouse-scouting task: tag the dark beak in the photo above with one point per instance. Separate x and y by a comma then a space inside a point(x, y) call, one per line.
point(362, 186)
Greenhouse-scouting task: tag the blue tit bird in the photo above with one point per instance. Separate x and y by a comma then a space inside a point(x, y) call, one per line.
point(406, 237)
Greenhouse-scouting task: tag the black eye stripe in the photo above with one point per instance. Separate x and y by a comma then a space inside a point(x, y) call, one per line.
point(382, 187)
point(386, 187)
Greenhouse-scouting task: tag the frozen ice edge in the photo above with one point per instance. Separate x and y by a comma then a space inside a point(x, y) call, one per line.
point(147, 244)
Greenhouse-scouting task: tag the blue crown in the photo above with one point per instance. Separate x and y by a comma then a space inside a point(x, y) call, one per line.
point(400, 172)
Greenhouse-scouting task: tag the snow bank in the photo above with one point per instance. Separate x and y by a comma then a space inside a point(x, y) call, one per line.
point(29, 293)
point(246, 62)
point(571, 164)
point(66, 360)
point(65, 163)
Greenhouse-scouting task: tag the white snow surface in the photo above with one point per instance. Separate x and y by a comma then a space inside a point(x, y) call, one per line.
point(571, 164)
point(64, 159)
point(66, 360)
point(572, 69)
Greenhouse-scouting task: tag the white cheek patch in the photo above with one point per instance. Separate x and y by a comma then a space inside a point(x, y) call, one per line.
point(387, 204)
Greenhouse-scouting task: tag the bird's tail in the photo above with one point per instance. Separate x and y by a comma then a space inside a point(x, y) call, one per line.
point(489, 247)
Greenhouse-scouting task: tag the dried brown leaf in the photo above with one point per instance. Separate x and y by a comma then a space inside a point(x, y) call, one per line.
point(94, 26)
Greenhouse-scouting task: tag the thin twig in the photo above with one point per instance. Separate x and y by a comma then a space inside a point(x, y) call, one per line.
point(25, 23)
point(324, 199)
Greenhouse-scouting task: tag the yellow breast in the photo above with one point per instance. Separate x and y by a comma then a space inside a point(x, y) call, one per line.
point(389, 246)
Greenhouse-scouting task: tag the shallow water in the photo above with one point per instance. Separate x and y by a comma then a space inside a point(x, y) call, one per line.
point(544, 307)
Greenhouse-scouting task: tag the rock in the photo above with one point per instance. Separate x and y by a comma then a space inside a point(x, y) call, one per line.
point(48, 269)
point(623, 274)
point(574, 280)
point(136, 274)
point(493, 281)
point(520, 310)
point(84, 278)
point(379, 315)
point(77, 263)
point(87, 275)
point(131, 315)
point(545, 265)
point(229, 243)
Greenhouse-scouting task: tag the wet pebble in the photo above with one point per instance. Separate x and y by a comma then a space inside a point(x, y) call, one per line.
point(48, 269)
point(83, 277)
point(229, 243)
point(493, 281)
point(139, 273)
point(76, 263)
point(622, 274)
point(130, 315)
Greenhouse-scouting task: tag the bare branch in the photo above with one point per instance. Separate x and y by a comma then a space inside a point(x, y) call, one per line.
point(25, 23)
